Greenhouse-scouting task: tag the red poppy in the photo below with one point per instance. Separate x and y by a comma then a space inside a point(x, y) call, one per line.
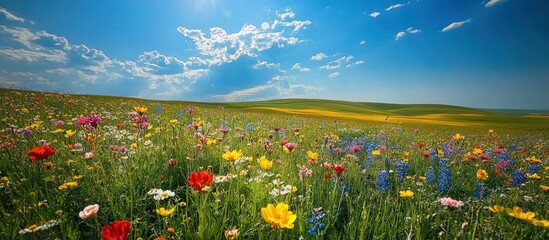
point(41, 152)
point(338, 168)
point(38, 99)
point(426, 154)
point(199, 180)
point(327, 175)
point(118, 230)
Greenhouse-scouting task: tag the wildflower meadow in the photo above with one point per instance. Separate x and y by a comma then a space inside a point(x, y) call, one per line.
point(90, 167)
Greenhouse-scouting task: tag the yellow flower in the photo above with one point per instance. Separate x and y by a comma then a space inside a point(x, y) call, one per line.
point(211, 142)
point(533, 175)
point(232, 156)
point(405, 155)
point(533, 159)
point(490, 131)
point(477, 151)
point(133, 145)
point(376, 153)
point(482, 174)
point(59, 130)
point(278, 216)
point(496, 208)
point(148, 135)
point(459, 137)
point(140, 110)
point(69, 133)
point(440, 153)
point(164, 212)
point(406, 194)
point(174, 121)
point(542, 223)
point(68, 185)
point(423, 178)
point(544, 188)
point(264, 163)
point(517, 212)
point(77, 177)
point(312, 155)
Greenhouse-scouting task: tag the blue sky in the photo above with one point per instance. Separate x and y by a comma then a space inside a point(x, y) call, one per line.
point(486, 54)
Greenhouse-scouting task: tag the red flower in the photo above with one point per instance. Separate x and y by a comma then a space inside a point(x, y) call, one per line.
point(199, 180)
point(38, 99)
point(338, 168)
point(39, 153)
point(118, 230)
point(426, 154)
point(327, 175)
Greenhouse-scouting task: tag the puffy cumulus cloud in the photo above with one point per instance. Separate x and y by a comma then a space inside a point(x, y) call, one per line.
point(455, 25)
point(400, 35)
point(319, 56)
point(374, 14)
point(277, 87)
point(59, 63)
point(261, 64)
point(337, 63)
point(334, 75)
point(222, 47)
point(298, 67)
point(10, 16)
point(493, 2)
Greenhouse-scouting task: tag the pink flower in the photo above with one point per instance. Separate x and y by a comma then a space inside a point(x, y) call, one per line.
point(88, 155)
point(89, 212)
point(446, 201)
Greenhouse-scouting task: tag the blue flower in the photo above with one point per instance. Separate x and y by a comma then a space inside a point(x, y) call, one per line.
point(518, 177)
point(383, 181)
point(445, 176)
point(481, 191)
point(158, 108)
point(402, 169)
point(533, 168)
point(430, 174)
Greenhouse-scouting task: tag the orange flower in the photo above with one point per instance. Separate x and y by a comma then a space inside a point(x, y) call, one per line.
point(41, 152)
point(199, 180)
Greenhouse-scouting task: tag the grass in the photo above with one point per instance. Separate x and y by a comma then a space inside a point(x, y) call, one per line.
point(131, 158)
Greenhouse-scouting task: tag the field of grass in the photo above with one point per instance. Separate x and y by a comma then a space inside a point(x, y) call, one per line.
point(90, 167)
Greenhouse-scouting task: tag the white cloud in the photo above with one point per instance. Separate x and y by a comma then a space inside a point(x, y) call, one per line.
point(265, 25)
point(10, 16)
point(411, 30)
point(260, 64)
point(394, 6)
point(355, 63)
point(374, 14)
point(337, 63)
point(400, 35)
point(222, 47)
point(34, 56)
point(298, 67)
point(277, 87)
point(334, 75)
point(455, 25)
point(362, 42)
point(493, 2)
point(319, 56)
